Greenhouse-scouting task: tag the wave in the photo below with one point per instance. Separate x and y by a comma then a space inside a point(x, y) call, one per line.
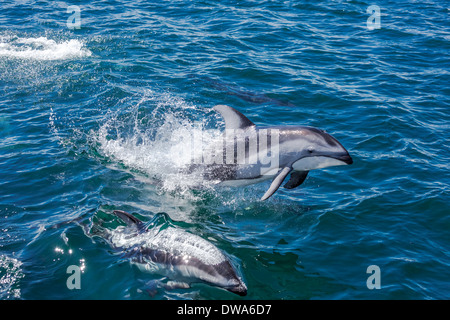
point(42, 48)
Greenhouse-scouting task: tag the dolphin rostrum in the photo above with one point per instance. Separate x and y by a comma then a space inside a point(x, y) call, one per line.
point(249, 154)
point(180, 256)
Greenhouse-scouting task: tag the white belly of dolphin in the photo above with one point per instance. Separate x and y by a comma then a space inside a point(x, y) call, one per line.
point(244, 182)
point(311, 163)
point(264, 174)
point(185, 273)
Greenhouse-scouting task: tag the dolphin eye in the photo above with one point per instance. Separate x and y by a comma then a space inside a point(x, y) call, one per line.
point(310, 149)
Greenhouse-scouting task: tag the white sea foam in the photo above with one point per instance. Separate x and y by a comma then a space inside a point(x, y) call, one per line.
point(10, 275)
point(42, 48)
point(160, 140)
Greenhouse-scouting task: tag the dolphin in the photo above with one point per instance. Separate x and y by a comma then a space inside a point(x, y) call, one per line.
point(270, 153)
point(180, 256)
point(232, 89)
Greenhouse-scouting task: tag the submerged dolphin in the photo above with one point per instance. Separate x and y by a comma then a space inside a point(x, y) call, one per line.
point(270, 152)
point(176, 254)
point(232, 89)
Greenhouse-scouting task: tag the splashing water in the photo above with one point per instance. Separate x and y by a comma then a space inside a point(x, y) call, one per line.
point(42, 48)
point(160, 137)
point(10, 275)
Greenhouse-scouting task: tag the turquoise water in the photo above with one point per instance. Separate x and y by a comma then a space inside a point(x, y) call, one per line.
point(89, 116)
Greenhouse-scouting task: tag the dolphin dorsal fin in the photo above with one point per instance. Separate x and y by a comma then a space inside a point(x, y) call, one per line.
point(233, 118)
point(131, 220)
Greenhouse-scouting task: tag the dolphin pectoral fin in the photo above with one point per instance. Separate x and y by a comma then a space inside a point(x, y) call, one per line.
point(297, 178)
point(233, 118)
point(276, 183)
point(176, 285)
point(151, 287)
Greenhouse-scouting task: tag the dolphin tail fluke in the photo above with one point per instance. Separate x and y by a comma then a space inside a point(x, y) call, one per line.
point(277, 181)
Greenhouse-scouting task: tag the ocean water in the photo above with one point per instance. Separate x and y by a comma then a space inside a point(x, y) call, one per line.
point(95, 101)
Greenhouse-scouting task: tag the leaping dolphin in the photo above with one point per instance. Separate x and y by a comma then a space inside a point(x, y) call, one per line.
point(251, 154)
point(181, 256)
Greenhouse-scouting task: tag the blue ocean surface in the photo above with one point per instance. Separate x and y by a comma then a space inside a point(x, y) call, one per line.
point(96, 97)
